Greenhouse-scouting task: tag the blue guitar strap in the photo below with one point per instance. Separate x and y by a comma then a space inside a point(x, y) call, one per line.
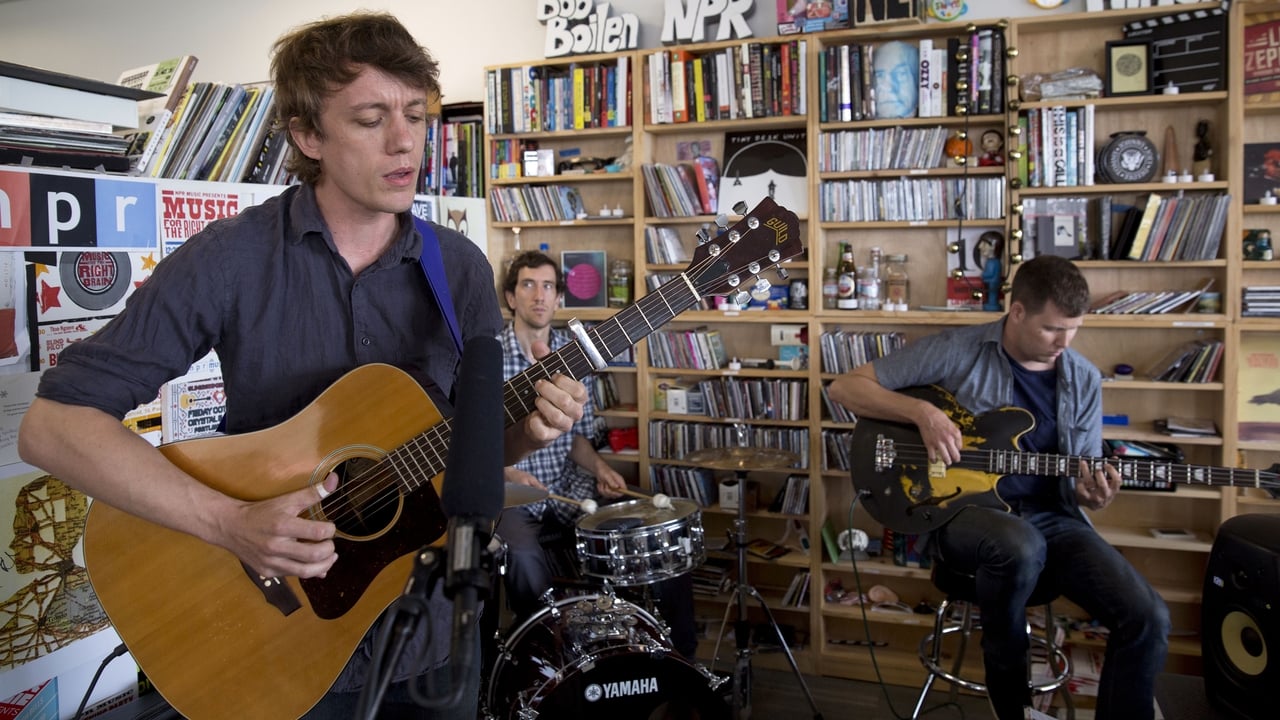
point(433, 267)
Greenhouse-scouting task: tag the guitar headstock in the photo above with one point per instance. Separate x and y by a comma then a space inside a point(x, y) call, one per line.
point(734, 260)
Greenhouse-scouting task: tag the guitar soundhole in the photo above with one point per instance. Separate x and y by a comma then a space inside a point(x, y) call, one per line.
point(366, 501)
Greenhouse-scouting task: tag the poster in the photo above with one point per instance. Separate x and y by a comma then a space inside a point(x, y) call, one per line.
point(1259, 384)
point(193, 407)
point(46, 600)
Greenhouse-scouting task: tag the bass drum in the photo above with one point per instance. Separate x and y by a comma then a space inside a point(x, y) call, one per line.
point(598, 656)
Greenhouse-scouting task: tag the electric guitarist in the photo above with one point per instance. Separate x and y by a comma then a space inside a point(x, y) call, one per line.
point(1024, 360)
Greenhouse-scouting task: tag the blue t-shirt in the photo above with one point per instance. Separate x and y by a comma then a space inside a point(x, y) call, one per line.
point(1036, 392)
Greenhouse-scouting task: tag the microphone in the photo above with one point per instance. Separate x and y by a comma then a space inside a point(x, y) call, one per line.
point(473, 489)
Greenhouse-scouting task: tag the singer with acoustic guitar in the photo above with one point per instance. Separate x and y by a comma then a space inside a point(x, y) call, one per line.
point(1024, 360)
point(329, 278)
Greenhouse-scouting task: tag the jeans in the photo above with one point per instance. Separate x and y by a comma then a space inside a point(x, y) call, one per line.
point(398, 704)
point(1010, 555)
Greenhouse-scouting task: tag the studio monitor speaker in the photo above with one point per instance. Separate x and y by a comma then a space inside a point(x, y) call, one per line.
point(1240, 629)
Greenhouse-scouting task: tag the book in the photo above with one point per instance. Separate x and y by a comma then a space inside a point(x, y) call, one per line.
point(169, 78)
point(766, 549)
point(31, 90)
point(759, 164)
point(1258, 387)
point(1262, 58)
point(1177, 426)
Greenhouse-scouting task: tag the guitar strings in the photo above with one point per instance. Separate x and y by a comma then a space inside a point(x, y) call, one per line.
point(1004, 462)
point(628, 325)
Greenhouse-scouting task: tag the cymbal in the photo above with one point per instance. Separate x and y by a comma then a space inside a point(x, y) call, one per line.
point(516, 494)
point(743, 458)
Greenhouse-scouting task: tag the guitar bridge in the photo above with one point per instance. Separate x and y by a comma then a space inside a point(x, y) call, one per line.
point(886, 454)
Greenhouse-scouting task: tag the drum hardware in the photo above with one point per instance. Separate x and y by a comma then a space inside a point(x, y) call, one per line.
point(592, 656)
point(741, 460)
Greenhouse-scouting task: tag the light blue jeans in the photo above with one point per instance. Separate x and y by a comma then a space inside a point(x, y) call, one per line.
point(1010, 553)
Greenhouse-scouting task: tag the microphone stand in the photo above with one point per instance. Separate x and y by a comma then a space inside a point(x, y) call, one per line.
point(407, 613)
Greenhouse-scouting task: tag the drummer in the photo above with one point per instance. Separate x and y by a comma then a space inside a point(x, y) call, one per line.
point(569, 466)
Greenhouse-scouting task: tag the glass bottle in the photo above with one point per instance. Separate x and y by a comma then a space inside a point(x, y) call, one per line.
point(896, 283)
point(620, 283)
point(830, 289)
point(847, 282)
point(869, 283)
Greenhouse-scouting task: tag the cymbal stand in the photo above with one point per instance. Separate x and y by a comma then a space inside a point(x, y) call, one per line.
point(741, 626)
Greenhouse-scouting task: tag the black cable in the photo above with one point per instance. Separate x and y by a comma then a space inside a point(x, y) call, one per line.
point(866, 626)
point(120, 650)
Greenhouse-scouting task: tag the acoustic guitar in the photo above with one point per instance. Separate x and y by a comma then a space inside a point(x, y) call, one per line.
point(220, 642)
point(903, 491)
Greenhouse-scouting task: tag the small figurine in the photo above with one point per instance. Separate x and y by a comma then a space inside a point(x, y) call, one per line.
point(1203, 154)
point(992, 149)
point(958, 148)
point(989, 249)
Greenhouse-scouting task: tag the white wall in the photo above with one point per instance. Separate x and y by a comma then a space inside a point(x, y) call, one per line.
point(101, 38)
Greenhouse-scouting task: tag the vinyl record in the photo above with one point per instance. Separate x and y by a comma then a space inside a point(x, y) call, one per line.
point(95, 280)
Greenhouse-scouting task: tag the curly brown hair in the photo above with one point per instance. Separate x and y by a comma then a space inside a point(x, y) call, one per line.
point(312, 62)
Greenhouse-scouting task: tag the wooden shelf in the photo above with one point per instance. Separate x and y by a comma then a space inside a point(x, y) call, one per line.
point(1068, 39)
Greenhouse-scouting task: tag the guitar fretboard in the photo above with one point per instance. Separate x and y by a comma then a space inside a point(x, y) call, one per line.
point(1145, 472)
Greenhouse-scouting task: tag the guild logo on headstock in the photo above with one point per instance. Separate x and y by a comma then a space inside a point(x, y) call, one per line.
point(779, 229)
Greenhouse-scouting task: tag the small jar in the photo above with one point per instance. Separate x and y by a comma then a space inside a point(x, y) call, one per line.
point(896, 283)
point(620, 283)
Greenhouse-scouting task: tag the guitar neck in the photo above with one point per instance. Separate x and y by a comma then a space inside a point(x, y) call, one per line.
point(1142, 471)
point(424, 456)
point(610, 338)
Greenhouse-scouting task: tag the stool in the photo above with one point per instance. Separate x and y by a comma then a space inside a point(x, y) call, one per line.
point(960, 591)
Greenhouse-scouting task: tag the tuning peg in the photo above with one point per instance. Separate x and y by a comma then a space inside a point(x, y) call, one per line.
point(762, 285)
point(701, 235)
point(741, 298)
point(740, 208)
point(782, 273)
point(722, 221)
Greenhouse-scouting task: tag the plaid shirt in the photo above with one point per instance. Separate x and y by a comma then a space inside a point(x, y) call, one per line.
point(551, 465)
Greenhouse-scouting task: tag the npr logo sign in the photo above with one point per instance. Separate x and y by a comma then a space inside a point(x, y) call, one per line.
point(44, 211)
point(685, 20)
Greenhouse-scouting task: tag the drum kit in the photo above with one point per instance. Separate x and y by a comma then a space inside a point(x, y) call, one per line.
point(599, 655)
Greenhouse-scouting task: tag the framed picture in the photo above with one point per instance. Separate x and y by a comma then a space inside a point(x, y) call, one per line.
point(1128, 67)
point(584, 279)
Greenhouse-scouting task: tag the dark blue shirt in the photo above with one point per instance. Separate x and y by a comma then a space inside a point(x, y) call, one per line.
point(1036, 392)
point(270, 293)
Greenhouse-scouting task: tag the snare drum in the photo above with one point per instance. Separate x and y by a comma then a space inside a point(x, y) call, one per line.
point(636, 543)
point(597, 656)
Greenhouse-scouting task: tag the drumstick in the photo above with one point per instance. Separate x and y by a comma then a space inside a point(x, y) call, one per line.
point(659, 500)
point(587, 506)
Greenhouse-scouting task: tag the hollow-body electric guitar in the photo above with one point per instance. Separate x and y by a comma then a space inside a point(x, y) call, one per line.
point(217, 640)
point(903, 491)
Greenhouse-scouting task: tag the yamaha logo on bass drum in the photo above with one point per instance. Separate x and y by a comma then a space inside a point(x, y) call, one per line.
point(626, 688)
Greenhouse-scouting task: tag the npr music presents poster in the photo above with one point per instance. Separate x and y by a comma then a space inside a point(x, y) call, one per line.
point(187, 207)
